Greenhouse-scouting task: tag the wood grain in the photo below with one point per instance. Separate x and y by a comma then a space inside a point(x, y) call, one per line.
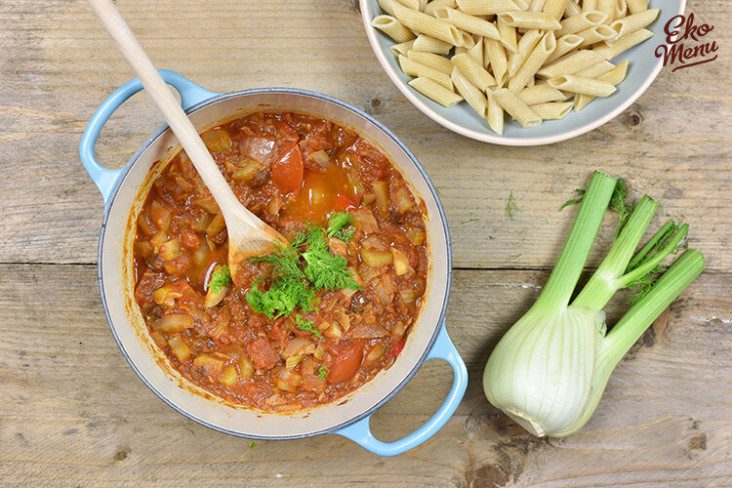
point(74, 414)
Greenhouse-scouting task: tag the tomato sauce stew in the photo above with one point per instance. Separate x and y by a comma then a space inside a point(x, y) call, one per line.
point(248, 340)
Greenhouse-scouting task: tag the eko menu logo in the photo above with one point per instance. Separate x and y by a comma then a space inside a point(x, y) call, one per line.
point(685, 44)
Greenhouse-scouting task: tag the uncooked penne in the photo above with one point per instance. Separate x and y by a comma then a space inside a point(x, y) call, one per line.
point(435, 4)
point(622, 44)
point(637, 6)
point(431, 60)
point(607, 7)
point(628, 25)
point(589, 4)
point(530, 20)
point(429, 44)
point(498, 60)
point(536, 5)
point(622, 9)
point(565, 44)
point(516, 108)
point(595, 34)
point(476, 52)
point(571, 63)
point(552, 110)
point(615, 76)
point(388, 6)
point(536, 59)
point(494, 117)
point(508, 35)
point(415, 69)
point(583, 20)
point(392, 28)
point(525, 46)
point(470, 93)
point(414, 4)
point(426, 24)
point(490, 7)
point(571, 8)
point(473, 71)
point(435, 91)
point(554, 8)
point(467, 40)
point(582, 86)
point(596, 70)
point(402, 48)
point(541, 94)
point(468, 23)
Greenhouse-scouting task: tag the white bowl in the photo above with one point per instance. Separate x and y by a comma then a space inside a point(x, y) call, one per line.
point(643, 69)
point(124, 190)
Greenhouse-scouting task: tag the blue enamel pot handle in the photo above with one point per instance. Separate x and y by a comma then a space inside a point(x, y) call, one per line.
point(360, 432)
point(105, 178)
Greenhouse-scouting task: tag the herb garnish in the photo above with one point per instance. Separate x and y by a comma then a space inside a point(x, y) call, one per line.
point(339, 226)
point(221, 277)
point(307, 264)
point(322, 372)
point(307, 326)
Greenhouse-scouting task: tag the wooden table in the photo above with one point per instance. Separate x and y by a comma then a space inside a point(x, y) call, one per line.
point(73, 413)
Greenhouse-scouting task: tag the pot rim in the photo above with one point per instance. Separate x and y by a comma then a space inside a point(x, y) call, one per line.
point(440, 322)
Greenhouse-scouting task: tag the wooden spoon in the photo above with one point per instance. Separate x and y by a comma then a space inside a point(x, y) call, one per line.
point(248, 235)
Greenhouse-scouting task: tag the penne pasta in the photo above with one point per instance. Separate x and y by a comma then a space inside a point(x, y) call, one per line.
point(530, 20)
point(494, 117)
point(635, 22)
point(468, 23)
point(571, 8)
point(508, 35)
point(565, 44)
point(582, 86)
point(637, 6)
point(392, 28)
point(583, 20)
point(541, 94)
point(470, 93)
point(552, 110)
point(622, 44)
point(595, 34)
point(476, 52)
point(415, 69)
point(596, 70)
point(615, 76)
point(516, 108)
point(490, 7)
point(607, 7)
point(426, 24)
point(555, 8)
point(571, 63)
point(527, 44)
point(536, 5)
point(402, 48)
point(435, 4)
point(429, 44)
point(473, 71)
point(431, 60)
point(497, 60)
point(536, 59)
point(414, 4)
point(622, 9)
point(436, 92)
point(532, 59)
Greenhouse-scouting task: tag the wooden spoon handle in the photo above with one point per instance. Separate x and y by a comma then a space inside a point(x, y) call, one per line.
point(171, 109)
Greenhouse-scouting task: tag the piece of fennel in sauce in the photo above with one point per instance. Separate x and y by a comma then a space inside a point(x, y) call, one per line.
point(550, 369)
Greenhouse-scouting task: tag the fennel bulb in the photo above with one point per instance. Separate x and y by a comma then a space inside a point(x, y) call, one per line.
point(550, 369)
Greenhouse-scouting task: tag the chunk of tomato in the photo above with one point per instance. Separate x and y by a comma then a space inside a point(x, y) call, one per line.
point(347, 357)
point(342, 202)
point(288, 171)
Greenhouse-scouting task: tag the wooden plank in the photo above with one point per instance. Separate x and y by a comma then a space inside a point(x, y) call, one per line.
point(673, 143)
point(74, 414)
